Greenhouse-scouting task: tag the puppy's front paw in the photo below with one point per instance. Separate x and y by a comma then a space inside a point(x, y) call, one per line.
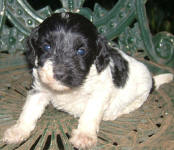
point(83, 140)
point(15, 134)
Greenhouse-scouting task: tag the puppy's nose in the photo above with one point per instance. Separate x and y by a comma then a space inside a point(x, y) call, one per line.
point(59, 74)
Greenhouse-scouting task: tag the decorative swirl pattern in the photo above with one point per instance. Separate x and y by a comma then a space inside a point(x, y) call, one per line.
point(150, 127)
point(110, 23)
point(164, 47)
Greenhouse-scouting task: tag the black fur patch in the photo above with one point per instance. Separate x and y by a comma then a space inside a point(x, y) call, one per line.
point(65, 34)
point(102, 60)
point(120, 68)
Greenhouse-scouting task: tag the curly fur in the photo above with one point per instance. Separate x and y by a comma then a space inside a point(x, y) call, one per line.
point(97, 83)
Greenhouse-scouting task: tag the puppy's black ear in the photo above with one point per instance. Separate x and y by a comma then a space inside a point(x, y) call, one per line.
point(102, 60)
point(31, 45)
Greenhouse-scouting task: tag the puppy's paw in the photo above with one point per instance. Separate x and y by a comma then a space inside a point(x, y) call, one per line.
point(83, 140)
point(14, 135)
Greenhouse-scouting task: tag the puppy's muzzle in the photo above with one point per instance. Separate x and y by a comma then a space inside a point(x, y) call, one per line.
point(47, 77)
point(60, 73)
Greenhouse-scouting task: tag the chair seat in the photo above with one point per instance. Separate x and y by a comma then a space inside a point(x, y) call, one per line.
point(149, 127)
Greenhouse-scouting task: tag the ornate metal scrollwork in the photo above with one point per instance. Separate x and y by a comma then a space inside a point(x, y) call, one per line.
point(114, 23)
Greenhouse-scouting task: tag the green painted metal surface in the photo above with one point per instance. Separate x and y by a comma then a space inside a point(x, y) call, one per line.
point(114, 23)
point(148, 128)
point(126, 27)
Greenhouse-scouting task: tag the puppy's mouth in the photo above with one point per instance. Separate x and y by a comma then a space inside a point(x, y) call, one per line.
point(47, 77)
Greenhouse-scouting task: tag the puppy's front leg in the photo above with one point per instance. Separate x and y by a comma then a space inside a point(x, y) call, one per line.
point(34, 107)
point(85, 136)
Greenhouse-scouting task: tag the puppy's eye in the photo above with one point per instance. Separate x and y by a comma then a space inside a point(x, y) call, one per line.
point(47, 47)
point(81, 52)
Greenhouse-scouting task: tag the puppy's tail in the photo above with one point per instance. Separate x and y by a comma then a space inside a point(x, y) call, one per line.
point(158, 80)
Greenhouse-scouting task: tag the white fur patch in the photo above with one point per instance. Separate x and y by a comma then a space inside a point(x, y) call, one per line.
point(46, 76)
point(34, 107)
point(162, 78)
point(97, 99)
point(65, 15)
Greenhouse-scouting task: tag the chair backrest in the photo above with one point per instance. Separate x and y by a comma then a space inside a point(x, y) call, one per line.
point(125, 23)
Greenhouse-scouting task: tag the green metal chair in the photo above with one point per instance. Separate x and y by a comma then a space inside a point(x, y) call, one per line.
point(148, 128)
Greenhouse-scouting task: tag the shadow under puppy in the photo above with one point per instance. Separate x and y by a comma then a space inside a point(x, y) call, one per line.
point(76, 70)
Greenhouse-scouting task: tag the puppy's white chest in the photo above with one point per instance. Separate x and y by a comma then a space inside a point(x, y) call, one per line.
point(94, 89)
point(73, 103)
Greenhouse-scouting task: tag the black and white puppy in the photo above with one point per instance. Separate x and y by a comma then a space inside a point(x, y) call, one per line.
point(76, 70)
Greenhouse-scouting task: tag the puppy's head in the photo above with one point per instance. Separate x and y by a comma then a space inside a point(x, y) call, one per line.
point(63, 48)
